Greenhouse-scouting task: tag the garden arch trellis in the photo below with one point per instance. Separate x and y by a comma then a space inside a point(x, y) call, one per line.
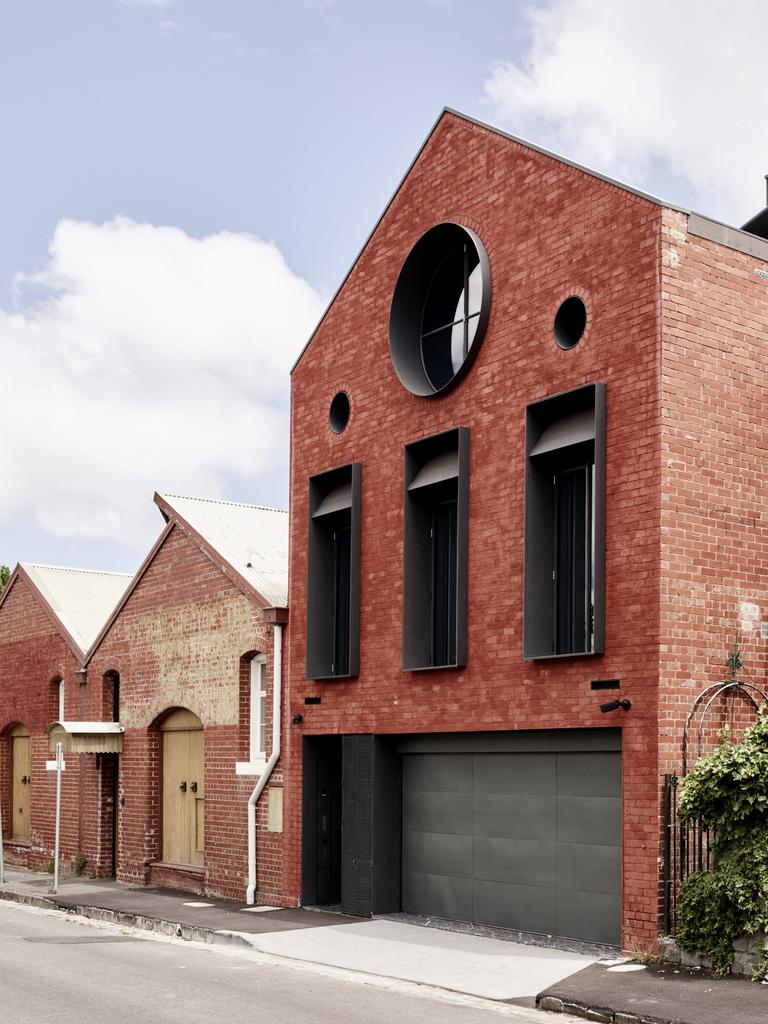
point(687, 847)
point(709, 695)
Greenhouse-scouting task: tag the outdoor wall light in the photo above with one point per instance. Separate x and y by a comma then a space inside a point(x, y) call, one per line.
point(613, 705)
point(297, 719)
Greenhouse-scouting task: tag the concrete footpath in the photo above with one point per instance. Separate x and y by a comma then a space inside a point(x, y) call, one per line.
point(611, 991)
point(634, 994)
point(488, 968)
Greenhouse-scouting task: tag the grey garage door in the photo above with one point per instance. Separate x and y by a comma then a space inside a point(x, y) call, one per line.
point(530, 841)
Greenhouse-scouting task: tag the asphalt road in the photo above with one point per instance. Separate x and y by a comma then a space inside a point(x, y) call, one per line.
point(55, 969)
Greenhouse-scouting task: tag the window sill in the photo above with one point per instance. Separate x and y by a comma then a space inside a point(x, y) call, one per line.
point(558, 657)
point(330, 679)
point(250, 767)
point(432, 668)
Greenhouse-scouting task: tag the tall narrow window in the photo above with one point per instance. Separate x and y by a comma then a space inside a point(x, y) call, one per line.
point(333, 577)
point(60, 700)
point(342, 544)
point(565, 524)
point(258, 709)
point(112, 694)
point(444, 574)
point(435, 551)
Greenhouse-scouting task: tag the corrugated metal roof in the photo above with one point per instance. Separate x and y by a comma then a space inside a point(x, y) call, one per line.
point(252, 539)
point(80, 598)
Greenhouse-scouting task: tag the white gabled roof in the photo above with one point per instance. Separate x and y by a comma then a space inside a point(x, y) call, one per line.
point(252, 539)
point(81, 599)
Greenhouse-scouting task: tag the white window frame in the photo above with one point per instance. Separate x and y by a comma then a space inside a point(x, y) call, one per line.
point(60, 699)
point(258, 715)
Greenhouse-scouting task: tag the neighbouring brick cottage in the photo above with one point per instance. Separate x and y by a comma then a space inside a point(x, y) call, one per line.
point(187, 665)
point(49, 616)
point(527, 480)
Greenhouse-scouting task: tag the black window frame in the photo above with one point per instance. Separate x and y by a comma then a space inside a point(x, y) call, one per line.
point(418, 291)
point(334, 511)
point(436, 476)
point(564, 434)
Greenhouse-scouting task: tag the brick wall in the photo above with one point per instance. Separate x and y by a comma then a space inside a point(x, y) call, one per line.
point(549, 230)
point(33, 655)
point(714, 537)
point(179, 641)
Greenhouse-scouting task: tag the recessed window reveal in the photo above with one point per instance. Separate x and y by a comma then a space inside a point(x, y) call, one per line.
point(570, 322)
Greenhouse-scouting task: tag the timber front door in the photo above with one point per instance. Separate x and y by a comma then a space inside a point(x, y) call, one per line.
point(183, 789)
point(21, 769)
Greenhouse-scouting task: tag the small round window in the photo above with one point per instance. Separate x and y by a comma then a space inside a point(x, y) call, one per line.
point(338, 414)
point(440, 309)
point(570, 322)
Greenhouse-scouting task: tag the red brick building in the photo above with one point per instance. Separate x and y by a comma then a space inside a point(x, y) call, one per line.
point(527, 479)
point(49, 616)
point(187, 664)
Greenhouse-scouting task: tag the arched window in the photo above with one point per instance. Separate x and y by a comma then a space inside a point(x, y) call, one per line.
point(258, 709)
point(254, 710)
point(56, 713)
point(112, 694)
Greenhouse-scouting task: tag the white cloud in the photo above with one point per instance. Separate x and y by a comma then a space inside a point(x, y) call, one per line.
point(140, 358)
point(652, 92)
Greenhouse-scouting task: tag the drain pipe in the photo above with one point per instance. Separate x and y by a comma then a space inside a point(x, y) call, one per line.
point(277, 676)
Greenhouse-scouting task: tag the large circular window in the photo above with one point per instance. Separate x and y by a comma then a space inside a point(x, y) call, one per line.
point(440, 309)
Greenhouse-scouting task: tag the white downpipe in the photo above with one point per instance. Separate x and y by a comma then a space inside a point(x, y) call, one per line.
point(277, 686)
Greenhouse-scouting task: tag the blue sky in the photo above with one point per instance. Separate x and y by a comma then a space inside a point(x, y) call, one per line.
point(175, 174)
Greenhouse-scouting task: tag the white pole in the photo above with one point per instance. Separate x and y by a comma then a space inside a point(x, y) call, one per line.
point(59, 760)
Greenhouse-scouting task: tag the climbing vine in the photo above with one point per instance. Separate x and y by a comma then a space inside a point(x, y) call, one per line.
point(728, 793)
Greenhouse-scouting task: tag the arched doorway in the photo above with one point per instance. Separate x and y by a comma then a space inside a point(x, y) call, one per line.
point(21, 771)
point(183, 789)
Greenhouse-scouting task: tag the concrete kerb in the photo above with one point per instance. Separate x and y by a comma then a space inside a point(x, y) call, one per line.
point(173, 929)
point(599, 1014)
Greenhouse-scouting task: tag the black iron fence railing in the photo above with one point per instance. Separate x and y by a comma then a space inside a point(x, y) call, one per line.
point(687, 849)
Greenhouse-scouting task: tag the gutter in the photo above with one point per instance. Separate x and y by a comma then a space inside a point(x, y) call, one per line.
point(277, 675)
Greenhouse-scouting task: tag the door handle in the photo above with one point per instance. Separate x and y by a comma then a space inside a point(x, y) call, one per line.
point(183, 787)
point(25, 780)
point(193, 786)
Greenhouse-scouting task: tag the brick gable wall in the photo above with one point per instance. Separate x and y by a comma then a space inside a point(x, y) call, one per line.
point(178, 642)
point(33, 653)
point(550, 230)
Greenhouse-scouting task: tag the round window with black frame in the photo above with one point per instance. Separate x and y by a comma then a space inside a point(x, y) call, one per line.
point(440, 309)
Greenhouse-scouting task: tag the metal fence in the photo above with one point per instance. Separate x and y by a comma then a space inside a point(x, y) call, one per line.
point(687, 849)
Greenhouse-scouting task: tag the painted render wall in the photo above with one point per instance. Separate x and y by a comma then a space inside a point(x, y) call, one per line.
point(178, 642)
point(33, 653)
point(550, 231)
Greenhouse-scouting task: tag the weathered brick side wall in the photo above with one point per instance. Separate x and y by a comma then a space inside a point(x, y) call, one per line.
point(178, 642)
point(550, 231)
point(714, 535)
point(33, 654)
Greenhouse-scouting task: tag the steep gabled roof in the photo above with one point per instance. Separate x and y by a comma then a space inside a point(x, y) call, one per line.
point(251, 539)
point(78, 601)
point(449, 112)
point(248, 543)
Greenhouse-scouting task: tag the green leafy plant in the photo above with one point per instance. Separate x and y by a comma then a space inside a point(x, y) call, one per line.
point(5, 575)
point(728, 793)
point(79, 863)
point(760, 971)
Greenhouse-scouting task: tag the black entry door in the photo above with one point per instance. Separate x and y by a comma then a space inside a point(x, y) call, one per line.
point(321, 843)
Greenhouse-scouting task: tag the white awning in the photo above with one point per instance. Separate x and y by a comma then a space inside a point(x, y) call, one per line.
point(86, 737)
